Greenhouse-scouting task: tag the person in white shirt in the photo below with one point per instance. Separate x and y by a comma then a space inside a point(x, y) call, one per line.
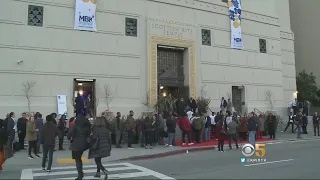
point(294, 106)
point(229, 119)
point(189, 114)
point(213, 123)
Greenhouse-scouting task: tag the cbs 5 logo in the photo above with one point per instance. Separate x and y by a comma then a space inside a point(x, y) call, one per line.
point(248, 150)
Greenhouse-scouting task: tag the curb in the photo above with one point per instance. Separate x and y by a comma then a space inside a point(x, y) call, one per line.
point(166, 154)
point(197, 149)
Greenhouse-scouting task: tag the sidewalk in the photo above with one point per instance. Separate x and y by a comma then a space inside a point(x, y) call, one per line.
point(64, 157)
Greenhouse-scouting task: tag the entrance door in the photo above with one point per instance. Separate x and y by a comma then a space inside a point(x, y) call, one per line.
point(237, 99)
point(170, 71)
point(86, 89)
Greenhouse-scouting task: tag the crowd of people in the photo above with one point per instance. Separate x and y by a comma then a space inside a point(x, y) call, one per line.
point(157, 129)
point(82, 134)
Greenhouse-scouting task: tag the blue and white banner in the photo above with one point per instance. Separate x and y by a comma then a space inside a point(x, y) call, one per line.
point(85, 15)
point(235, 19)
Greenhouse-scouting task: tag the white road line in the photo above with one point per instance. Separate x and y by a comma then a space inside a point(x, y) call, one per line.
point(115, 176)
point(271, 162)
point(76, 172)
point(26, 174)
point(69, 171)
point(85, 166)
point(150, 172)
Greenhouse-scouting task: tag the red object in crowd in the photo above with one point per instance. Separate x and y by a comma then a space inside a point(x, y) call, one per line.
point(185, 124)
point(71, 124)
point(260, 116)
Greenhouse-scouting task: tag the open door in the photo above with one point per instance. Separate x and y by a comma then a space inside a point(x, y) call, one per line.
point(85, 103)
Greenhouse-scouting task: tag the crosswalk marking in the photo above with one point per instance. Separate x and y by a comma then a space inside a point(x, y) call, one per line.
point(116, 171)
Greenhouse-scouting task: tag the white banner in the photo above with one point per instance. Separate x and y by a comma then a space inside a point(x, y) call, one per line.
point(235, 19)
point(85, 15)
point(62, 105)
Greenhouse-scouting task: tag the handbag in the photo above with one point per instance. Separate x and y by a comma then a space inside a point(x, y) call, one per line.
point(8, 152)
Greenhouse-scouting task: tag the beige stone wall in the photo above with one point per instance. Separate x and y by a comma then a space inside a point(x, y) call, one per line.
point(54, 54)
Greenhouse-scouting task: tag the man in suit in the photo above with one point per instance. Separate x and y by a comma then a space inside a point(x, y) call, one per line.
point(9, 124)
point(21, 126)
point(223, 105)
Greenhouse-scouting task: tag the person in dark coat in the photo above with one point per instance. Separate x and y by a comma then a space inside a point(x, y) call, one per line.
point(80, 135)
point(3, 141)
point(101, 137)
point(315, 122)
point(171, 130)
point(79, 104)
point(272, 124)
point(21, 127)
point(62, 127)
point(304, 124)
point(47, 137)
point(221, 134)
point(148, 130)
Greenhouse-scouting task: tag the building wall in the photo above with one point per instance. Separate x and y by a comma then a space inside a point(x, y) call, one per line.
point(55, 54)
point(304, 25)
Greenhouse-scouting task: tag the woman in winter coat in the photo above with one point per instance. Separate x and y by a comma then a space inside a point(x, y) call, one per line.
point(31, 137)
point(79, 133)
point(221, 134)
point(243, 130)
point(101, 144)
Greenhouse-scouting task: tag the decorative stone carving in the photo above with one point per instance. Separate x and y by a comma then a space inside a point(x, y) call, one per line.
point(35, 15)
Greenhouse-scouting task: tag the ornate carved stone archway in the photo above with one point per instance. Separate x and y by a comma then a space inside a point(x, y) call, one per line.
point(154, 41)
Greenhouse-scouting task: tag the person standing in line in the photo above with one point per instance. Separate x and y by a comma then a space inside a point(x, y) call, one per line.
point(171, 129)
point(48, 140)
point(207, 127)
point(79, 104)
point(315, 121)
point(131, 124)
point(148, 128)
point(243, 130)
point(62, 128)
point(213, 124)
point(141, 130)
point(298, 122)
point(185, 128)
point(100, 144)
point(304, 124)
point(79, 133)
point(221, 134)
point(21, 126)
point(290, 122)
point(197, 125)
point(54, 116)
point(272, 124)
point(39, 126)
point(3, 141)
point(118, 129)
point(252, 129)
point(31, 137)
point(232, 131)
point(9, 123)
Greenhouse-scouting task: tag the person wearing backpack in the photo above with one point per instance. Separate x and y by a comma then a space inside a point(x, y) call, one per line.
point(252, 128)
point(198, 126)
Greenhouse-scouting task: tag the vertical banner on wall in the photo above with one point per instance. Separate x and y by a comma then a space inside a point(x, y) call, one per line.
point(62, 104)
point(235, 19)
point(85, 15)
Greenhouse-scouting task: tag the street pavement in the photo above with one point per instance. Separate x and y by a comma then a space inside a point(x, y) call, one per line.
point(290, 160)
point(63, 166)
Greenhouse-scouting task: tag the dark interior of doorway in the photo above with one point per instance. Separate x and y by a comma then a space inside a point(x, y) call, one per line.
point(85, 87)
point(176, 92)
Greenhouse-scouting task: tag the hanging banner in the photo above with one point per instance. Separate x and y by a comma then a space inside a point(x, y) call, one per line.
point(235, 19)
point(85, 15)
point(62, 105)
